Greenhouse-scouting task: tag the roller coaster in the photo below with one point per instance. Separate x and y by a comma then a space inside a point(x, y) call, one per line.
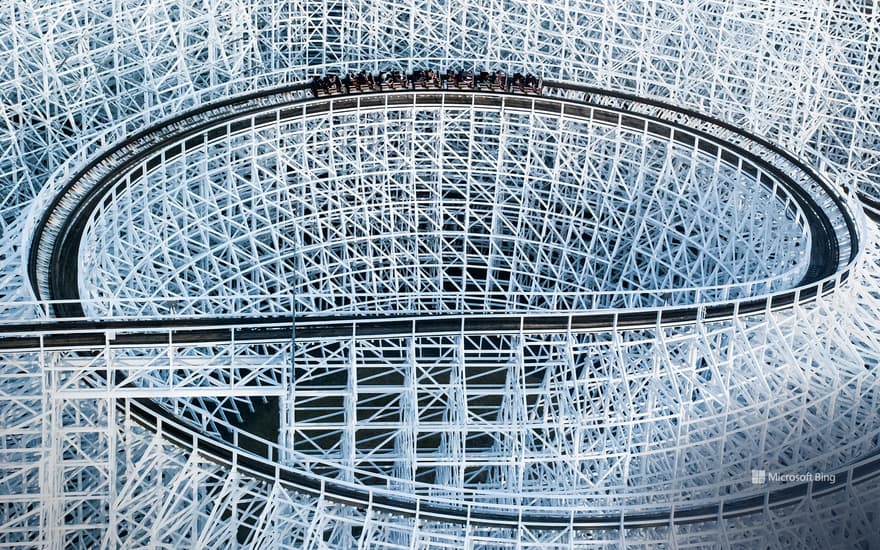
point(411, 274)
point(55, 263)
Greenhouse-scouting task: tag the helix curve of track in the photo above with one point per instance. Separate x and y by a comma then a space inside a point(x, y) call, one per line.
point(52, 269)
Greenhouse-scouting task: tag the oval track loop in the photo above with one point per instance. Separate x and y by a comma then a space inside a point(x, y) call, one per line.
point(55, 249)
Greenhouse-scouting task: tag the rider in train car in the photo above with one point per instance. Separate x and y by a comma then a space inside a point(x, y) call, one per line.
point(451, 79)
point(419, 80)
point(466, 79)
point(499, 82)
point(433, 79)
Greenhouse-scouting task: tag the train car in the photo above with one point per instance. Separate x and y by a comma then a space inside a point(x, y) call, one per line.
point(361, 82)
point(328, 85)
point(462, 80)
point(528, 84)
point(424, 80)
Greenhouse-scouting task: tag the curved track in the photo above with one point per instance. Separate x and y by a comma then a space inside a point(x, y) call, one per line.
point(263, 463)
point(69, 329)
point(62, 252)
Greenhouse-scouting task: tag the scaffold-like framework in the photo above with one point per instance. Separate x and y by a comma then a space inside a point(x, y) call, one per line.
point(235, 314)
